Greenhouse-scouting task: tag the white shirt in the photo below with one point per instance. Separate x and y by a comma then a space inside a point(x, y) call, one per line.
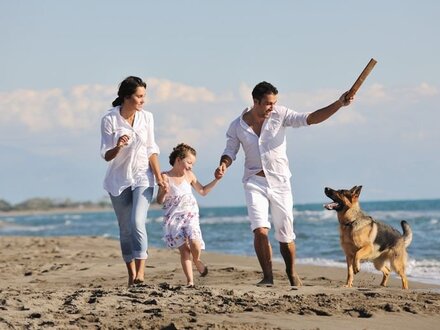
point(130, 167)
point(267, 152)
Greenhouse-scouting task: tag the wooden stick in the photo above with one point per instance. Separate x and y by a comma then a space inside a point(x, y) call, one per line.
point(359, 81)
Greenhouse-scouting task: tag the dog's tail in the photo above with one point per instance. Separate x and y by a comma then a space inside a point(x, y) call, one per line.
point(407, 233)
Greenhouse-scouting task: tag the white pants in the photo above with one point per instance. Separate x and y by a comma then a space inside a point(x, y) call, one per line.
point(259, 198)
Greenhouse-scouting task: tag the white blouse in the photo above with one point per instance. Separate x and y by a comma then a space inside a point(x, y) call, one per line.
point(130, 167)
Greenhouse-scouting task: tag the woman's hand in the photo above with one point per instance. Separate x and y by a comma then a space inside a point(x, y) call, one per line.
point(123, 141)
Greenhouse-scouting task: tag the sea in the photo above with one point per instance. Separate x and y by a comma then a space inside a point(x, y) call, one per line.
point(226, 230)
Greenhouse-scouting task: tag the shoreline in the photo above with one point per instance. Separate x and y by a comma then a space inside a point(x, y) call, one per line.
point(80, 282)
point(14, 213)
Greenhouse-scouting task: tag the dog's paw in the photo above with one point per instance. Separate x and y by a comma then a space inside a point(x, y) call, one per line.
point(356, 267)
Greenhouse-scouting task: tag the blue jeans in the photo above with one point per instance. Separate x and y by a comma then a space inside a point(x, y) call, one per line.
point(131, 208)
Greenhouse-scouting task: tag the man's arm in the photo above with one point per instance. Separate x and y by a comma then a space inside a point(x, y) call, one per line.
point(323, 114)
point(231, 150)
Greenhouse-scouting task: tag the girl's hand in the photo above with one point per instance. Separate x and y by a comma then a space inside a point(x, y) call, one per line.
point(220, 171)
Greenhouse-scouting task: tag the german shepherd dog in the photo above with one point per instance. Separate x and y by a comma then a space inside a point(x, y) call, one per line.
point(364, 238)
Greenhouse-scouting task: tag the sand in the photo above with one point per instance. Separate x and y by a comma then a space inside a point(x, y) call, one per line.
point(80, 283)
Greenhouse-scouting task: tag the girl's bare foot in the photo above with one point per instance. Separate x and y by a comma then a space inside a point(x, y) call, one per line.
point(203, 270)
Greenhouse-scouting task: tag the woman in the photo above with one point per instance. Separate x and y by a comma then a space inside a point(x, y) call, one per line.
point(128, 144)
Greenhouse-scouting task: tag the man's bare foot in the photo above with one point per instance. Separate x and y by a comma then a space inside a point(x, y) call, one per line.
point(265, 282)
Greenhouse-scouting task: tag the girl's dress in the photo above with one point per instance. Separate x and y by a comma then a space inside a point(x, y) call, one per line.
point(181, 215)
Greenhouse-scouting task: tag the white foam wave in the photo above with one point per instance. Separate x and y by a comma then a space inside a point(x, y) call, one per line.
point(310, 216)
point(211, 220)
point(8, 219)
point(72, 217)
point(405, 214)
point(315, 216)
point(19, 228)
point(424, 271)
point(320, 262)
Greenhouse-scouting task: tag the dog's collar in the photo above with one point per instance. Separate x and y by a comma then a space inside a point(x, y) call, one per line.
point(351, 224)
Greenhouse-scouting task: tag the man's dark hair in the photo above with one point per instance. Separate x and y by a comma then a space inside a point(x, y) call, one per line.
point(263, 88)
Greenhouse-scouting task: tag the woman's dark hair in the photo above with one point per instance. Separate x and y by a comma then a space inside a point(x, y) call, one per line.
point(181, 151)
point(127, 88)
point(263, 88)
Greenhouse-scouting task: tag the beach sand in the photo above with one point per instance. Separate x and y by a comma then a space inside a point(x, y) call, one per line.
point(80, 282)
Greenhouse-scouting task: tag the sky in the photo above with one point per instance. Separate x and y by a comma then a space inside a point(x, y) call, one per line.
point(62, 61)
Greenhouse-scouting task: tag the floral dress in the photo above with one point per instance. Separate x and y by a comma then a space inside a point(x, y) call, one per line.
point(181, 215)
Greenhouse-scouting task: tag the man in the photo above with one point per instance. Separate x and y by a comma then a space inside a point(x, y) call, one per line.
point(260, 130)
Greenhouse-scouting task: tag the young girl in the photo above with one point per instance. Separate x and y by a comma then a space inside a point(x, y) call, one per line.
point(181, 212)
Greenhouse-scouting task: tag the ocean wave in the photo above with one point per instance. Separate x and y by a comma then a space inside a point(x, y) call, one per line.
point(320, 262)
point(211, 220)
point(18, 229)
point(316, 215)
point(424, 271)
point(405, 214)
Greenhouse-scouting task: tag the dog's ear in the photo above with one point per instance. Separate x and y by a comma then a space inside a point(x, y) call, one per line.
point(356, 190)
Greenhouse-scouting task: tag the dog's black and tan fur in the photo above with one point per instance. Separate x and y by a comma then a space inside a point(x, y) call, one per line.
point(364, 238)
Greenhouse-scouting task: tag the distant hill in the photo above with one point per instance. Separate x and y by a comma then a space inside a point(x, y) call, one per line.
point(41, 204)
point(47, 204)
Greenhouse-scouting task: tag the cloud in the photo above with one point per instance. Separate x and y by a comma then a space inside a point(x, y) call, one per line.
point(163, 91)
point(67, 122)
point(81, 106)
point(427, 90)
point(40, 111)
point(182, 112)
point(378, 93)
point(245, 92)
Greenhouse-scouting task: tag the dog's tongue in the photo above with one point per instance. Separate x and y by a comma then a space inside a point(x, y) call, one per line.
point(331, 206)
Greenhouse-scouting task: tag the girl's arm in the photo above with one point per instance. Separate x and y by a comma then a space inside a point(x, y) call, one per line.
point(163, 190)
point(202, 190)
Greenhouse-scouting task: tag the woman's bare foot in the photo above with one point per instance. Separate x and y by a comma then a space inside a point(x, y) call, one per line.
point(294, 280)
